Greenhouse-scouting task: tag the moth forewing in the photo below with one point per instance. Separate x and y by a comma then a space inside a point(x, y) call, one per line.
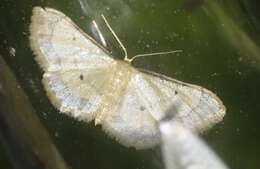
point(68, 56)
point(59, 44)
point(197, 108)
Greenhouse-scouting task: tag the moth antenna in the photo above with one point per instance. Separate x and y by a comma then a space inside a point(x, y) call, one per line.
point(101, 37)
point(124, 49)
point(116, 37)
point(151, 54)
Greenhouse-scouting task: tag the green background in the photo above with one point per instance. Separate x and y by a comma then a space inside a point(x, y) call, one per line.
point(220, 43)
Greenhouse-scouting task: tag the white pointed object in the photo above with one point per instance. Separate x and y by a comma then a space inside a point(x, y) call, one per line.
point(183, 149)
point(83, 81)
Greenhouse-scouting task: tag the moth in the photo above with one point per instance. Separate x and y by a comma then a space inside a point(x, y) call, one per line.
point(83, 81)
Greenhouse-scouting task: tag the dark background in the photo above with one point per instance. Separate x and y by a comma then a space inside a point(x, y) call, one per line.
point(220, 43)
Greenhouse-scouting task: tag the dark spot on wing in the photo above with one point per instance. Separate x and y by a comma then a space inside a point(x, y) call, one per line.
point(175, 92)
point(142, 108)
point(81, 76)
point(74, 38)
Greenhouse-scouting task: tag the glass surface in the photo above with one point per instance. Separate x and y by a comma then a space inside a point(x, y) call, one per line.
point(220, 43)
